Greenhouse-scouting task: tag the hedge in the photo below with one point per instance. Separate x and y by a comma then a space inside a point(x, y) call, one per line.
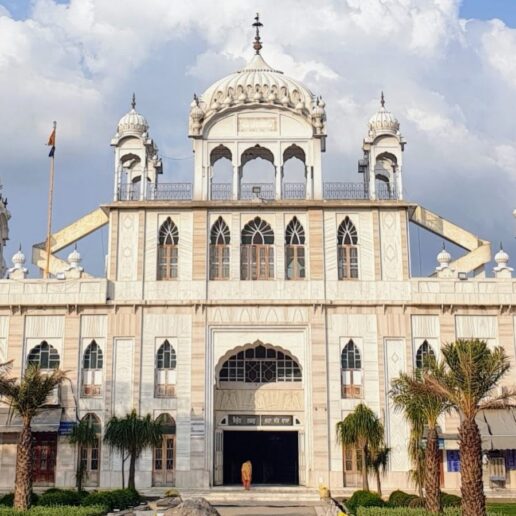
point(400, 499)
point(64, 510)
point(8, 499)
point(54, 497)
point(405, 511)
point(116, 499)
point(364, 499)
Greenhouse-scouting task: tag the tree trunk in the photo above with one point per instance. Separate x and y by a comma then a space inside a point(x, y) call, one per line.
point(472, 487)
point(78, 472)
point(378, 482)
point(132, 470)
point(124, 458)
point(432, 473)
point(365, 481)
point(23, 480)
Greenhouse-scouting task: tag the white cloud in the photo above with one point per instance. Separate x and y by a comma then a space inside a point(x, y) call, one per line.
point(450, 82)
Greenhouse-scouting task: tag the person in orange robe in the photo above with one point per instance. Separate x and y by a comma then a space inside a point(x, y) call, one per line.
point(247, 474)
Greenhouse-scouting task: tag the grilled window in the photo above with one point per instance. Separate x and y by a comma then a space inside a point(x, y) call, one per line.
point(44, 355)
point(168, 250)
point(165, 371)
point(93, 357)
point(351, 371)
point(257, 251)
point(347, 250)
point(260, 365)
point(295, 250)
point(424, 354)
point(219, 250)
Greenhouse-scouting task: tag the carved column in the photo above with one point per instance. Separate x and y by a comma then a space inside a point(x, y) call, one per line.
point(279, 181)
point(236, 182)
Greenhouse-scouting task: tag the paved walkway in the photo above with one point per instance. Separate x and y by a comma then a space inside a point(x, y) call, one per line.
point(263, 510)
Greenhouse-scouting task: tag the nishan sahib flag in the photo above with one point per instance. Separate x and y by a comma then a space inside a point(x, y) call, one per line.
point(52, 143)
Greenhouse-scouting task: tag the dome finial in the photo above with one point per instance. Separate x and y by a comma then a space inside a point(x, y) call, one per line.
point(133, 101)
point(257, 24)
point(382, 100)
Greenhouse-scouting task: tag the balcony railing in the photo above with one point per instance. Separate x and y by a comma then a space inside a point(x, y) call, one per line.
point(294, 191)
point(266, 191)
point(221, 191)
point(345, 191)
point(160, 192)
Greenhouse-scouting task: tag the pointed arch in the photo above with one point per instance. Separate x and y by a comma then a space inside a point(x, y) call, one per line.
point(260, 363)
point(424, 354)
point(295, 250)
point(351, 371)
point(92, 364)
point(257, 251)
point(347, 250)
point(44, 355)
point(219, 250)
point(165, 381)
point(168, 241)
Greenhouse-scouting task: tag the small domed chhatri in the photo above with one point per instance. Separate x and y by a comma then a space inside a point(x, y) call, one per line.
point(255, 84)
point(443, 258)
point(132, 123)
point(383, 121)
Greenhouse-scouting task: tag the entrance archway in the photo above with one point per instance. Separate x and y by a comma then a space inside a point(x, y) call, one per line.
point(259, 409)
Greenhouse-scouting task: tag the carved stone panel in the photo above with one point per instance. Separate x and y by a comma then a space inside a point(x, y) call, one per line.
point(258, 400)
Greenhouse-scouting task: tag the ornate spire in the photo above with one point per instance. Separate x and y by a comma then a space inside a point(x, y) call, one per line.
point(257, 24)
point(133, 101)
point(382, 100)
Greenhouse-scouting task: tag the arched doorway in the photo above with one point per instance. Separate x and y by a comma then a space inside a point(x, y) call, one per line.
point(90, 454)
point(164, 456)
point(259, 409)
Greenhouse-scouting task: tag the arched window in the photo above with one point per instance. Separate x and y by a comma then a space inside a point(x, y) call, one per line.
point(92, 363)
point(295, 250)
point(347, 240)
point(219, 250)
point(165, 371)
point(351, 371)
point(168, 250)
point(90, 454)
point(164, 463)
point(424, 354)
point(44, 355)
point(260, 364)
point(257, 251)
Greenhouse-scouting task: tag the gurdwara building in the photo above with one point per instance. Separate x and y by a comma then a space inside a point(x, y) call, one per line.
point(250, 314)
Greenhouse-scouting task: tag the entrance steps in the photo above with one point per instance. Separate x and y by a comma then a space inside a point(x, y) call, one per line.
point(231, 495)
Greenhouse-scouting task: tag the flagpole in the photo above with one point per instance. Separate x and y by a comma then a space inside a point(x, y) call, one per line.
point(49, 214)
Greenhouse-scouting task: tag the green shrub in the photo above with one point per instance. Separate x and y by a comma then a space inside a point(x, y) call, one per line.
point(364, 499)
point(116, 499)
point(8, 499)
point(404, 511)
point(416, 502)
point(54, 497)
point(56, 511)
point(400, 499)
point(450, 500)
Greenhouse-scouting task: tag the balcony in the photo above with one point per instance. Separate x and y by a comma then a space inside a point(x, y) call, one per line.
point(159, 192)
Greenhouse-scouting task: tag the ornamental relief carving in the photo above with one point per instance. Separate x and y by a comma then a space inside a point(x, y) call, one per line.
point(259, 400)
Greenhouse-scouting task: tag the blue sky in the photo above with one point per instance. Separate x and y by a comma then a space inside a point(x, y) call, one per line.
point(450, 82)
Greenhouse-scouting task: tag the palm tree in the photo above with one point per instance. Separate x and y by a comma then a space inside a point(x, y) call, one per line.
point(377, 462)
point(83, 435)
point(422, 407)
point(26, 398)
point(472, 374)
point(130, 436)
point(363, 430)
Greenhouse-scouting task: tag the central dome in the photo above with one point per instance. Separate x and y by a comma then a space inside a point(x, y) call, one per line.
point(257, 82)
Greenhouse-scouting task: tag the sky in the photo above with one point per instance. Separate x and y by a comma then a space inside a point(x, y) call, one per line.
point(447, 69)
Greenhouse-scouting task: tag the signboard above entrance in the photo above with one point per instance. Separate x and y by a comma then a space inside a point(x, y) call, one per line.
point(263, 420)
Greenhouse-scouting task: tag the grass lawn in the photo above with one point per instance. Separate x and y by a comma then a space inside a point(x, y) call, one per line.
point(507, 509)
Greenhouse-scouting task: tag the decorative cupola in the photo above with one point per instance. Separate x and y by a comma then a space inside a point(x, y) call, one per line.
point(502, 270)
point(74, 269)
point(136, 157)
point(383, 155)
point(257, 107)
point(18, 270)
point(444, 259)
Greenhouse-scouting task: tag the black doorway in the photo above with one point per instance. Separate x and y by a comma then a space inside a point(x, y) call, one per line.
point(274, 456)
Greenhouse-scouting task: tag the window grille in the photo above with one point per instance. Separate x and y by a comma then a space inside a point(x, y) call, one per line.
point(257, 251)
point(295, 250)
point(44, 355)
point(168, 250)
point(351, 371)
point(260, 365)
point(424, 354)
point(165, 371)
point(347, 240)
point(219, 250)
